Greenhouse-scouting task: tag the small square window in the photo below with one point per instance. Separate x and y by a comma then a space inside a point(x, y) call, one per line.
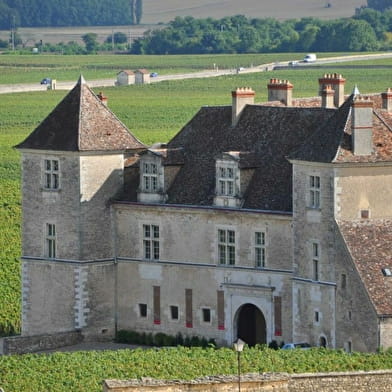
point(174, 312)
point(364, 214)
point(142, 310)
point(206, 315)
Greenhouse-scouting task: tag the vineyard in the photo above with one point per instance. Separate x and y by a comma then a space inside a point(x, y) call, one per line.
point(153, 113)
point(84, 371)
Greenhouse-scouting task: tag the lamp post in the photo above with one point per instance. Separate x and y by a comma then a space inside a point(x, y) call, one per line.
point(239, 346)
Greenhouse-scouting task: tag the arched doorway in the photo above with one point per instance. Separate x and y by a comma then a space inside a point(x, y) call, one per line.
point(251, 325)
point(322, 341)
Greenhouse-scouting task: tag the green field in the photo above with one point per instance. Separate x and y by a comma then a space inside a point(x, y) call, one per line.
point(153, 113)
point(33, 68)
point(84, 371)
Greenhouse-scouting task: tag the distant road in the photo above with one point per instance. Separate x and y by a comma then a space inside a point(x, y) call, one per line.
point(15, 88)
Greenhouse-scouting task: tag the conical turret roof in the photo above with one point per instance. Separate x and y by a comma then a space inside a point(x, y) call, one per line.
point(81, 122)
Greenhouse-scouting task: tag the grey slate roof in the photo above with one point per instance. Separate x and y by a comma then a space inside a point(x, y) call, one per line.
point(81, 122)
point(267, 133)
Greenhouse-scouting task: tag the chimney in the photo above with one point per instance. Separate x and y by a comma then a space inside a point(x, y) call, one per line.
point(387, 100)
point(336, 81)
point(280, 90)
point(103, 98)
point(240, 97)
point(327, 97)
point(362, 126)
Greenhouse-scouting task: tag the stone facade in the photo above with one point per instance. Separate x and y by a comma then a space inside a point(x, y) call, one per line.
point(232, 229)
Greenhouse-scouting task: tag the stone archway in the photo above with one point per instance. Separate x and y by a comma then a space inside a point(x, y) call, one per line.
point(251, 326)
point(322, 342)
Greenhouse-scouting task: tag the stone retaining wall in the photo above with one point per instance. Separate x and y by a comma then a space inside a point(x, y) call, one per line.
point(380, 381)
point(30, 344)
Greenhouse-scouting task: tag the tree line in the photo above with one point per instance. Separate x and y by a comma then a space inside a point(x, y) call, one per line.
point(368, 30)
point(44, 13)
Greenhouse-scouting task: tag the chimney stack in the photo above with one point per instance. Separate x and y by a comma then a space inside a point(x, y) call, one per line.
point(387, 100)
point(240, 97)
point(327, 97)
point(336, 81)
point(362, 126)
point(280, 90)
point(103, 98)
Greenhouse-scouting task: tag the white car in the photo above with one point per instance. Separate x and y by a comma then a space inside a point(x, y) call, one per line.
point(290, 346)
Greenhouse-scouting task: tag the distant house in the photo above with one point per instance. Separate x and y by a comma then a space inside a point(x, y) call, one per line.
point(264, 221)
point(125, 78)
point(142, 76)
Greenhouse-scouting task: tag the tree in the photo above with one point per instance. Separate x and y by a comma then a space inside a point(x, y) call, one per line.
point(380, 5)
point(138, 11)
point(90, 40)
point(117, 38)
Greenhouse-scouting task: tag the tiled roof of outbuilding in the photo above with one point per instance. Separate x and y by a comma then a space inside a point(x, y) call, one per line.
point(369, 243)
point(81, 122)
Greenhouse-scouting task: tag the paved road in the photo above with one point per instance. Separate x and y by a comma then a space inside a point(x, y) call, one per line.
point(13, 88)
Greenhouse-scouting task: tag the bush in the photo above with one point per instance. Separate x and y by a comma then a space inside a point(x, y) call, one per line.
point(161, 339)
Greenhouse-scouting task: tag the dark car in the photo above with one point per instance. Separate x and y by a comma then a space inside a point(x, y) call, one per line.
point(46, 81)
point(153, 74)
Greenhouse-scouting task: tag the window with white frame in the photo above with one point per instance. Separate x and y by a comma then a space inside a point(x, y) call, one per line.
point(226, 246)
point(226, 181)
point(314, 191)
point(51, 240)
point(315, 260)
point(259, 249)
point(51, 174)
point(151, 242)
point(150, 177)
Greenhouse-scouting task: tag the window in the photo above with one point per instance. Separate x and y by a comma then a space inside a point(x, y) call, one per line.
point(226, 246)
point(315, 258)
point(225, 181)
point(51, 240)
point(174, 312)
point(343, 281)
point(142, 310)
point(316, 316)
point(260, 249)
point(51, 174)
point(151, 242)
point(206, 313)
point(314, 191)
point(150, 177)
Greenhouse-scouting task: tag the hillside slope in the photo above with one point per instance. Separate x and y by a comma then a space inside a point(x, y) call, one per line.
point(156, 11)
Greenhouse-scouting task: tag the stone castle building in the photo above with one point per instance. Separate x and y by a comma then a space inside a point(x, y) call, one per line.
point(261, 221)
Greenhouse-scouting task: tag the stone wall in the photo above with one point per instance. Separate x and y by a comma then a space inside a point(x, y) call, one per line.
point(379, 381)
point(29, 344)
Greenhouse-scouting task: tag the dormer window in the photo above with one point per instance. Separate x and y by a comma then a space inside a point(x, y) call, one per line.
point(233, 173)
point(226, 181)
point(151, 185)
point(150, 177)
